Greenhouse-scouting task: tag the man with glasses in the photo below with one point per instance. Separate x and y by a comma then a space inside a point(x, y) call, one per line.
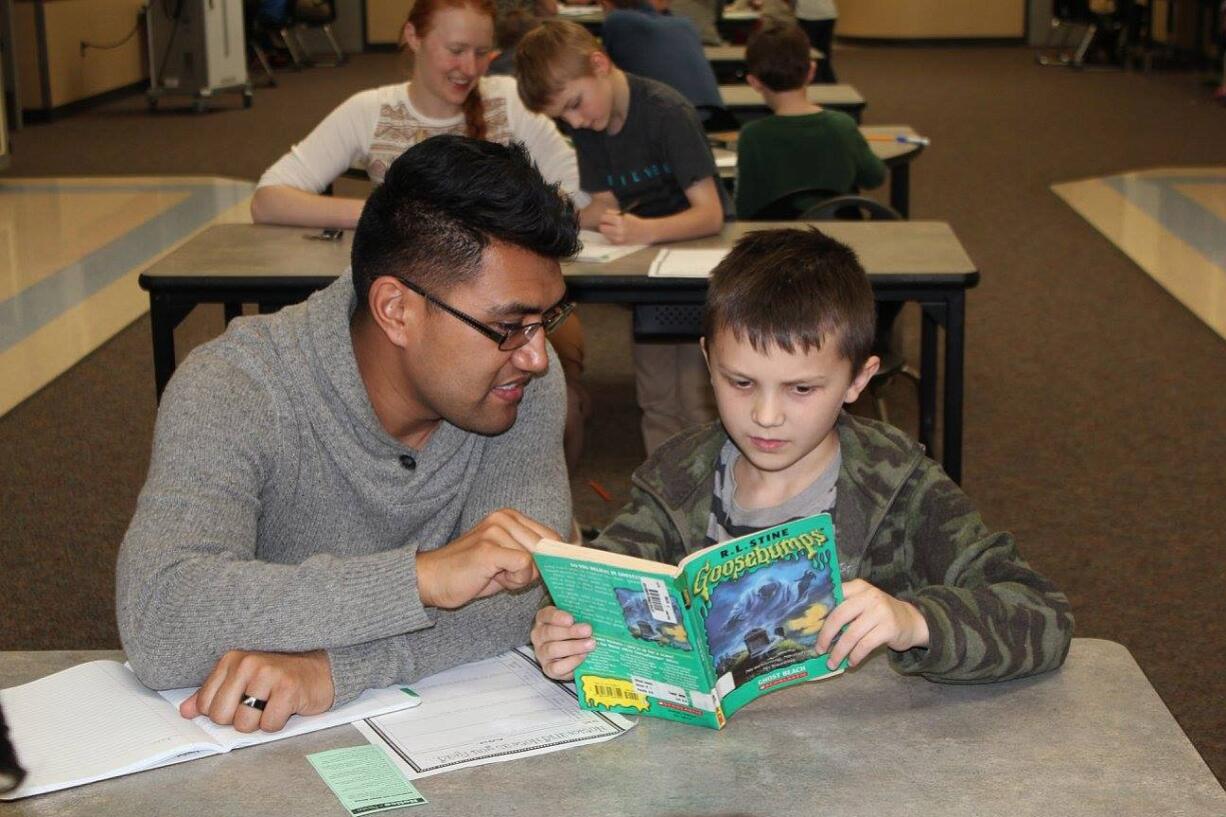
point(341, 495)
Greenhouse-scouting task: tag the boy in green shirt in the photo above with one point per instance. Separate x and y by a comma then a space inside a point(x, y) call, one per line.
point(789, 328)
point(801, 146)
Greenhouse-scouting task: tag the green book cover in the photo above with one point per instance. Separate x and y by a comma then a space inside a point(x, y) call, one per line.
point(696, 642)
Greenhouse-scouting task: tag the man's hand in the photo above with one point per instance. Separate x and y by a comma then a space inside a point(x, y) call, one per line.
point(560, 644)
point(290, 683)
point(872, 617)
point(494, 556)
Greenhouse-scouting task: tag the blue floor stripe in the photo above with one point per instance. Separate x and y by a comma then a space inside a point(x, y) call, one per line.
point(1180, 215)
point(39, 304)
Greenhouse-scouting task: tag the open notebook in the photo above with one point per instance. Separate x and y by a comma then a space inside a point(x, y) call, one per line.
point(96, 720)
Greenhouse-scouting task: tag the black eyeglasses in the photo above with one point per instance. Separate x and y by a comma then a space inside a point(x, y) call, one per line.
point(511, 339)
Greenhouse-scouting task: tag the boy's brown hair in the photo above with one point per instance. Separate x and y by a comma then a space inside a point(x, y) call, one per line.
point(548, 57)
point(793, 287)
point(778, 56)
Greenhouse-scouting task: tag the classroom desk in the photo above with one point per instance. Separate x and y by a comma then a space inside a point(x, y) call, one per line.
point(1092, 739)
point(897, 157)
point(746, 104)
point(728, 61)
point(919, 261)
point(733, 25)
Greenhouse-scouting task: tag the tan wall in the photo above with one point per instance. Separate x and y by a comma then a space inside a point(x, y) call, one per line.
point(73, 75)
point(927, 19)
point(384, 19)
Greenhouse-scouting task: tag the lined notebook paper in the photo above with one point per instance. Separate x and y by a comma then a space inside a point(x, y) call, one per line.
point(96, 720)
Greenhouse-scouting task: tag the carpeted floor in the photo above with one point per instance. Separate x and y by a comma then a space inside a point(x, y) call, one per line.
point(1095, 407)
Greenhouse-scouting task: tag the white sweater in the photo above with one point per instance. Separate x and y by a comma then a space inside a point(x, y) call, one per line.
point(372, 128)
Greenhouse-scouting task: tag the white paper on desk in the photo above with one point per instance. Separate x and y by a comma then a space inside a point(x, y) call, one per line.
point(597, 249)
point(370, 703)
point(724, 157)
point(488, 711)
point(679, 263)
point(576, 11)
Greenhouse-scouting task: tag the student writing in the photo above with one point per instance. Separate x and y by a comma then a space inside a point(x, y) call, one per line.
point(802, 146)
point(641, 148)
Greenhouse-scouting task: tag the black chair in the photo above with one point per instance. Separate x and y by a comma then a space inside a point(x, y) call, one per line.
point(892, 362)
point(717, 118)
point(307, 15)
point(792, 205)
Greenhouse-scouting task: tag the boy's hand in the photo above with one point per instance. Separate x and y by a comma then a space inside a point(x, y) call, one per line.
point(560, 643)
point(623, 228)
point(872, 617)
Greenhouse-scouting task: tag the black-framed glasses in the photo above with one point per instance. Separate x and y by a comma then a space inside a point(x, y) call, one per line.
point(509, 340)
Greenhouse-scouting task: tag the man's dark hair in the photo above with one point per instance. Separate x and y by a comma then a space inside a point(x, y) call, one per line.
point(442, 203)
point(791, 288)
point(778, 56)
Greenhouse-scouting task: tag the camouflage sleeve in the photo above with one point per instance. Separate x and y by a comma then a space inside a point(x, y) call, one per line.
point(991, 617)
point(643, 528)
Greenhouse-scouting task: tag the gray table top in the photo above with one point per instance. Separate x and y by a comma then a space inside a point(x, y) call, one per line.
point(743, 96)
point(1092, 738)
point(889, 152)
point(926, 249)
point(736, 53)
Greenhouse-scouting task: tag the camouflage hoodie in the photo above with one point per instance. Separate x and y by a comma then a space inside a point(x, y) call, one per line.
point(902, 525)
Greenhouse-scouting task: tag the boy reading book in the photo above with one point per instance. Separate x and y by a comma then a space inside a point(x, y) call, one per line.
point(788, 337)
point(801, 146)
point(645, 161)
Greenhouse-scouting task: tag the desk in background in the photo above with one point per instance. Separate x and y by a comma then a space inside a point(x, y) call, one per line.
point(1092, 739)
point(728, 61)
point(233, 264)
point(746, 104)
point(897, 157)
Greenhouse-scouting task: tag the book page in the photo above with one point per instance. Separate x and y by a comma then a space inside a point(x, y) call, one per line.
point(91, 722)
point(683, 263)
point(370, 703)
point(760, 601)
point(598, 249)
point(487, 712)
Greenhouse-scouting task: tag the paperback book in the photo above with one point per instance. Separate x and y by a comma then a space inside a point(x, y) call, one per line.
point(697, 641)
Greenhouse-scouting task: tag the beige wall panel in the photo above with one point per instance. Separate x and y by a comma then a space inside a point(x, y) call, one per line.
point(384, 19)
point(72, 75)
point(923, 19)
point(75, 76)
point(26, 51)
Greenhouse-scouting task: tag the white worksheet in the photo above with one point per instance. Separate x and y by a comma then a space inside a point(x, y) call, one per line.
point(489, 711)
point(685, 263)
point(598, 249)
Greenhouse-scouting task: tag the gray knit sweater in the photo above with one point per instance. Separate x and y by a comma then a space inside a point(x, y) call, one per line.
point(277, 514)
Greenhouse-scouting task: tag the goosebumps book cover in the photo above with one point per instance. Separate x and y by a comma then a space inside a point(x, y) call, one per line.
point(698, 641)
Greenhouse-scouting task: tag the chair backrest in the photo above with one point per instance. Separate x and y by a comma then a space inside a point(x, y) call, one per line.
point(851, 208)
point(791, 205)
point(717, 118)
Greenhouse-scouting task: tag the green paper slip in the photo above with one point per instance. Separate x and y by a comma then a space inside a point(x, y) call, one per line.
point(365, 780)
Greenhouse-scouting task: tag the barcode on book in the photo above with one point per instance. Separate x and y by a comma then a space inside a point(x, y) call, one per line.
point(608, 691)
point(658, 602)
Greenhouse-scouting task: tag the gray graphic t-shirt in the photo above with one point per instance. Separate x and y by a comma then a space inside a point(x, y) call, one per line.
point(660, 151)
point(729, 520)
